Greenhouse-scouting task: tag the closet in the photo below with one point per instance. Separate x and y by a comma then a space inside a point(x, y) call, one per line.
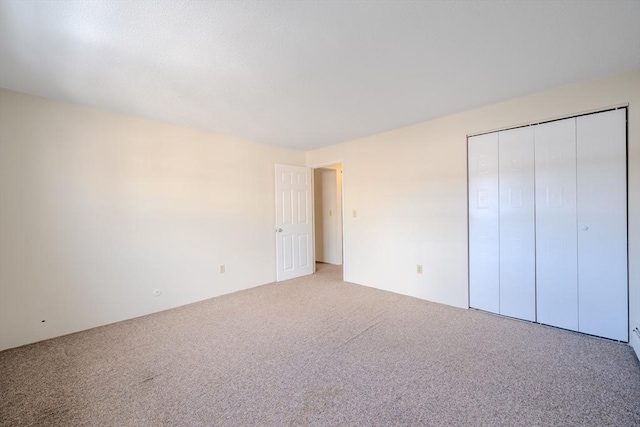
point(548, 223)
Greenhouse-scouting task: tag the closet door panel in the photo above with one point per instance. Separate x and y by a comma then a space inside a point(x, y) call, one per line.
point(556, 234)
point(517, 232)
point(484, 251)
point(602, 224)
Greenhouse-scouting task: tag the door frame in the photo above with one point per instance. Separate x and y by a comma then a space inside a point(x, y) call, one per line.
point(342, 197)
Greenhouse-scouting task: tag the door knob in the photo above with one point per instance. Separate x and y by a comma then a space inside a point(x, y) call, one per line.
point(585, 228)
point(278, 230)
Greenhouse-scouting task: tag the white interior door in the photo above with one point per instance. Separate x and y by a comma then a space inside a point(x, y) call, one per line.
point(517, 225)
point(294, 226)
point(602, 224)
point(556, 240)
point(484, 250)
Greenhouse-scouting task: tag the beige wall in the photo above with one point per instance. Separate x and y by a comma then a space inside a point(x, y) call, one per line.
point(99, 209)
point(415, 212)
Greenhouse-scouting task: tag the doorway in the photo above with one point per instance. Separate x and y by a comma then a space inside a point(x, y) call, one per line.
point(328, 217)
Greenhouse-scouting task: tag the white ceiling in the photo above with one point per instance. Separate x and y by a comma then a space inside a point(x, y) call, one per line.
point(308, 74)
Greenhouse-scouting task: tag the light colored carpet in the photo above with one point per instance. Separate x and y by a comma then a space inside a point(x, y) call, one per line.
point(317, 351)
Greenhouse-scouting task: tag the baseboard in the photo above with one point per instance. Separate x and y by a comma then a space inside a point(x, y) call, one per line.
point(634, 340)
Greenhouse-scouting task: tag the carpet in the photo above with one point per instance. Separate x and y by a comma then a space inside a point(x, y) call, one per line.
point(317, 351)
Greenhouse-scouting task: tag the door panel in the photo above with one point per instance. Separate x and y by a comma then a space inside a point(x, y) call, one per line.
point(556, 240)
point(517, 233)
point(484, 252)
point(602, 224)
point(294, 254)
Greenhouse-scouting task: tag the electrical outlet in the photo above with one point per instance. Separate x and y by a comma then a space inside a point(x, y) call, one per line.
point(419, 268)
point(222, 269)
point(355, 213)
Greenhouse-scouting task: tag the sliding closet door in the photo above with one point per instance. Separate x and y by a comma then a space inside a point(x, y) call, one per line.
point(556, 240)
point(602, 224)
point(517, 232)
point(484, 281)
